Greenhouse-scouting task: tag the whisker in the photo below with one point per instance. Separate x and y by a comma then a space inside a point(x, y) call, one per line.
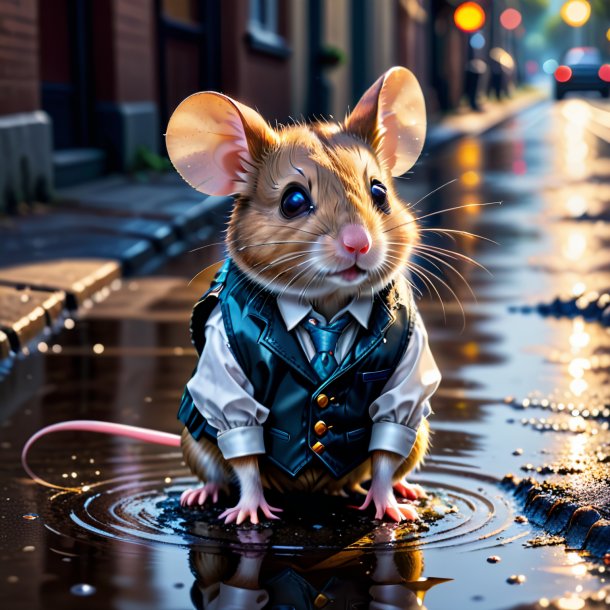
point(434, 191)
point(271, 243)
point(450, 253)
point(427, 256)
point(457, 299)
point(457, 232)
point(453, 209)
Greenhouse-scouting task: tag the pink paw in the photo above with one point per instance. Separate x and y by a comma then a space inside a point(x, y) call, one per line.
point(410, 491)
point(199, 495)
point(386, 505)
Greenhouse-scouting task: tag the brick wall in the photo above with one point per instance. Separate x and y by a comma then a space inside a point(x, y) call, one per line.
point(19, 86)
point(135, 50)
point(124, 50)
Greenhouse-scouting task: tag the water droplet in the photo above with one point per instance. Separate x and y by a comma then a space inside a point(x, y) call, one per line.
point(28, 549)
point(494, 559)
point(518, 452)
point(69, 323)
point(98, 348)
point(516, 579)
point(82, 590)
point(30, 516)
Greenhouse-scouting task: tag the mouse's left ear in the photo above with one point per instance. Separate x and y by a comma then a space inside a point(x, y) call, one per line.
point(391, 117)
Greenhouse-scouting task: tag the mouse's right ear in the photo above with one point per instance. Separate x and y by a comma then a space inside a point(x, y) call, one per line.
point(212, 141)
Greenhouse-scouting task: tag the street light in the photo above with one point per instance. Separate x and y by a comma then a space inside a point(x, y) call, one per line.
point(469, 17)
point(576, 12)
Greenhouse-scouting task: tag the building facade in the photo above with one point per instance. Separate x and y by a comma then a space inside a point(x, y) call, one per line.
point(87, 85)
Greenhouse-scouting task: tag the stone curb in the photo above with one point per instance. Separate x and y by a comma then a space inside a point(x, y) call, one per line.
point(583, 527)
point(36, 298)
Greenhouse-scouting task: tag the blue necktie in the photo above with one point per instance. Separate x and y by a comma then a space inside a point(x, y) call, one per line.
point(325, 340)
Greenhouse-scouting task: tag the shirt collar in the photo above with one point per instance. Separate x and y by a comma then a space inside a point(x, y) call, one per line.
point(293, 310)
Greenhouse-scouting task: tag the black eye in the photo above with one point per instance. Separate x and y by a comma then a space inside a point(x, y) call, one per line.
point(379, 193)
point(296, 202)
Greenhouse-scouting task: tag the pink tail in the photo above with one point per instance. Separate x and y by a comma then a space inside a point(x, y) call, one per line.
point(141, 434)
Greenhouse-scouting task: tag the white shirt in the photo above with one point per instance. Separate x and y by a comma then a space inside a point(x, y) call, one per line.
point(224, 395)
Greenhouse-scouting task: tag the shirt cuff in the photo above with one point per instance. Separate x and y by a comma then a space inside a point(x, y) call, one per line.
point(241, 442)
point(388, 436)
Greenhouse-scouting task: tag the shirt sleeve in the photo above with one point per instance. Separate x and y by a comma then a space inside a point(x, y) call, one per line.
point(404, 402)
point(224, 395)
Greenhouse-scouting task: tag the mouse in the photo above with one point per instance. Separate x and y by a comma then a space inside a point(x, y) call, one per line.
point(314, 371)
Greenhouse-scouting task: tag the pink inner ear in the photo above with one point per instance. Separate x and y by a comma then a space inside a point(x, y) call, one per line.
point(401, 117)
point(207, 144)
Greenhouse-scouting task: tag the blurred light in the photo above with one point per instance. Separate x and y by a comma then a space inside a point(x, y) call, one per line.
point(579, 338)
point(471, 178)
point(504, 58)
point(578, 289)
point(577, 112)
point(510, 19)
point(469, 17)
point(531, 66)
point(576, 246)
point(469, 153)
point(604, 73)
point(519, 167)
point(549, 66)
point(608, 34)
point(576, 205)
point(477, 41)
point(576, 12)
point(563, 74)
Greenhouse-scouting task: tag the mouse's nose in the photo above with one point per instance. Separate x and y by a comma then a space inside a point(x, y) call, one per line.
point(355, 238)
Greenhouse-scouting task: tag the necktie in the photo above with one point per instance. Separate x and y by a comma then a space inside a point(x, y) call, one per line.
point(325, 340)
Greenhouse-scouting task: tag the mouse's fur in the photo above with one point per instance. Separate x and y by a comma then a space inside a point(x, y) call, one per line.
point(223, 147)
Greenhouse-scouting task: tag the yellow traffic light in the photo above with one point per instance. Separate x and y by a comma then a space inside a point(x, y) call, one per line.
point(576, 12)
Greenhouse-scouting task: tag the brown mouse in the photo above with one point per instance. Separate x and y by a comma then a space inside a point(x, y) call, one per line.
point(286, 395)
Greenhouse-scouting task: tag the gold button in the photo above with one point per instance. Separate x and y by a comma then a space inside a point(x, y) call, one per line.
point(320, 601)
point(322, 401)
point(320, 428)
point(318, 448)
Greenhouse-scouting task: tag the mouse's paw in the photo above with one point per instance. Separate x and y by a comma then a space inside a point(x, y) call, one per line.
point(199, 495)
point(247, 508)
point(410, 491)
point(386, 504)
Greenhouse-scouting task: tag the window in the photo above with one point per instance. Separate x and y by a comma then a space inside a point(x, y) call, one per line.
point(263, 28)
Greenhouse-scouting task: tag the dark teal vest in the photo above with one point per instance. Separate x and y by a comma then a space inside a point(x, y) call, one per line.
point(284, 381)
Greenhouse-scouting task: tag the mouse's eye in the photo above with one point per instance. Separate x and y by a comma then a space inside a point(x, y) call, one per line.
point(379, 193)
point(296, 202)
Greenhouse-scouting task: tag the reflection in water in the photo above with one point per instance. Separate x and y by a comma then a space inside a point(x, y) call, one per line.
point(247, 578)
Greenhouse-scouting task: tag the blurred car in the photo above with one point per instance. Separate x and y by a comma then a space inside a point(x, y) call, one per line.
point(582, 70)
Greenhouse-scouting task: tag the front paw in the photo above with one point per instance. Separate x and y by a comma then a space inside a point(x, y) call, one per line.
point(410, 491)
point(199, 495)
point(386, 504)
point(248, 509)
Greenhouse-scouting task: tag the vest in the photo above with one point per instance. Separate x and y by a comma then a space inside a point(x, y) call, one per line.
point(309, 420)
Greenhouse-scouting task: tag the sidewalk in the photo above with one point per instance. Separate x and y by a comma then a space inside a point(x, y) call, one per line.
point(62, 255)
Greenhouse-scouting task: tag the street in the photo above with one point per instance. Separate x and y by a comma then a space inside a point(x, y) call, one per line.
point(525, 391)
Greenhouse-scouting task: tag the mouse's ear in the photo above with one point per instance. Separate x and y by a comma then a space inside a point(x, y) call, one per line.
point(391, 116)
point(212, 140)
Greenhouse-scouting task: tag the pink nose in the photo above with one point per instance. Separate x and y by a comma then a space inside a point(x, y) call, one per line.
point(355, 238)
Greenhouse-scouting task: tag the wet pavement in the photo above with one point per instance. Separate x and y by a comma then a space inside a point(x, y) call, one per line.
point(522, 392)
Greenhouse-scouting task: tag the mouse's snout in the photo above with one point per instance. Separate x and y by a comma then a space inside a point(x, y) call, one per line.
point(355, 239)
